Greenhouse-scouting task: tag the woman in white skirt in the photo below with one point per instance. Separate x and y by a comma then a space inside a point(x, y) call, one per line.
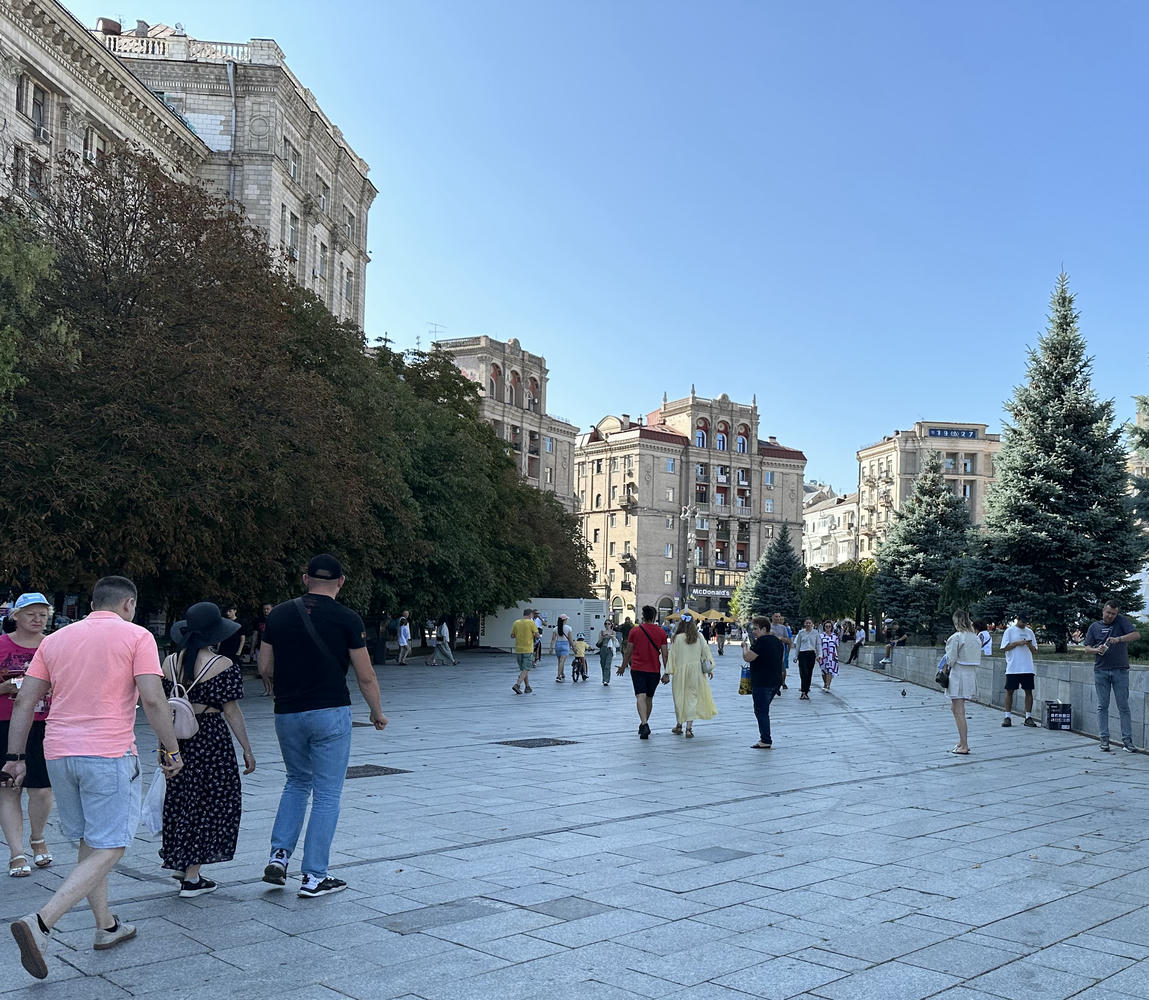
point(963, 655)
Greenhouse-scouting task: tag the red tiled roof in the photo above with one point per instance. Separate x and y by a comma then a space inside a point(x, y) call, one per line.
point(774, 450)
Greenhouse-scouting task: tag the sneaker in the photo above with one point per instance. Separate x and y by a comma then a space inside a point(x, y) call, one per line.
point(1007, 722)
point(884, 660)
point(313, 886)
point(1030, 723)
point(276, 871)
point(644, 731)
point(528, 689)
point(1128, 748)
point(109, 939)
point(33, 943)
point(515, 688)
point(200, 887)
point(1104, 745)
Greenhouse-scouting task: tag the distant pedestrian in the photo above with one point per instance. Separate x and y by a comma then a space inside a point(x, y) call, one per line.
point(808, 643)
point(828, 655)
point(623, 630)
point(1109, 640)
point(525, 633)
point(97, 670)
point(540, 624)
point(706, 629)
point(607, 642)
point(779, 628)
point(442, 648)
point(202, 806)
point(766, 656)
point(404, 639)
point(720, 635)
point(561, 646)
point(307, 648)
point(984, 637)
point(690, 665)
point(30, 614)
point(859, 642)
point(232, 647)
point(256, 642)
point(895, 637)
point(645, 655)
point(963, 656)
point(1020, 646)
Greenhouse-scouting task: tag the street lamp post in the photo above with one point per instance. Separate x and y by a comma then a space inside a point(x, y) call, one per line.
point(688, 516)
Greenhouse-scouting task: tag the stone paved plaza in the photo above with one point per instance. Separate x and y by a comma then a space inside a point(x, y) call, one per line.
point(857, 859)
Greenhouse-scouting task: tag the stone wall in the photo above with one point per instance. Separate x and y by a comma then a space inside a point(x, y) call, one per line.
point(1057, 680)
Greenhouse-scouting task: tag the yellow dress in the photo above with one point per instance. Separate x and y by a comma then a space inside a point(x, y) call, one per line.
point(688, 682)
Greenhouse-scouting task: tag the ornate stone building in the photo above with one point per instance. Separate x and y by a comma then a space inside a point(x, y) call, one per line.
point(887, 471)
point(513, 383)
point(271, 148)
point(830, 536)
point(62, 91)
point(690, 494)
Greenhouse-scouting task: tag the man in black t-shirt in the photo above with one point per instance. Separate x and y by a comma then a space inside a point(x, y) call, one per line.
point(720, 634)
point(307, 647)
point(767, 659)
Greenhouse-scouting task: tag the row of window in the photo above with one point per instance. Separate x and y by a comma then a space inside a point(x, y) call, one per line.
point(294, 161)
point(701, 470)
point(320, 255)
point(512, 392)
point(721, 441)
point(701, 495)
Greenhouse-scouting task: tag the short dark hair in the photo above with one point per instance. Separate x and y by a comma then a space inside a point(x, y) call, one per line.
point(760, 621)
point(111, 591)
point(1112, 603)
point(649, 612)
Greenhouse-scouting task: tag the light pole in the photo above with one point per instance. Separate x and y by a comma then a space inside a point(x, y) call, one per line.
point(688, 516)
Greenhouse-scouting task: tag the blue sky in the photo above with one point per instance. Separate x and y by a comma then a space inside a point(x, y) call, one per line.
point(856, 210)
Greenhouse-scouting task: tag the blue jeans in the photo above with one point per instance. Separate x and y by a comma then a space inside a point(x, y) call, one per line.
point(1106, 679)
point(316, 747)
point(762, 697)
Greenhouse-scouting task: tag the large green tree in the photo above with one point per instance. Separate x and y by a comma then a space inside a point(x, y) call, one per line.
point(840, 591)
point(926, 544)
point(1060, 534)
point(774, 583)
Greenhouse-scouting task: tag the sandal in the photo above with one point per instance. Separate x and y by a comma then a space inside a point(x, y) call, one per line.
point(18, 866)
point(689, 734)
point(43, 858)
point(677, 730)
point(960, 752)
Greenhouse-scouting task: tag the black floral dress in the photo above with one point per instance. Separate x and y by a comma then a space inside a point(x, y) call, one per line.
point(202, 806)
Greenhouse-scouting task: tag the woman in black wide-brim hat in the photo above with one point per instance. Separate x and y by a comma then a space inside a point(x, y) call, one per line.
point(203, 802)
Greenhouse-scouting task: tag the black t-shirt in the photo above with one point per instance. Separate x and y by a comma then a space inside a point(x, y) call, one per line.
point(720, 628)
point(230, 646)
point(624, 630)
point(768, 668)
point(304, 679)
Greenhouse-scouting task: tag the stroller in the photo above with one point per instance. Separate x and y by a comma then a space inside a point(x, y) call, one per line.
point(578, 661)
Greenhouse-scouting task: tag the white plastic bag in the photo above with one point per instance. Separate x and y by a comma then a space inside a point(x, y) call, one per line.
point(152, 809)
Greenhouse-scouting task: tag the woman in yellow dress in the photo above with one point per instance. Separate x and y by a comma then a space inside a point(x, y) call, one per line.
point(689, 664)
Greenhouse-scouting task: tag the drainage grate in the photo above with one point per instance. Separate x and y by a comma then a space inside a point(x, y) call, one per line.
point(532, 744)
point(372, 771)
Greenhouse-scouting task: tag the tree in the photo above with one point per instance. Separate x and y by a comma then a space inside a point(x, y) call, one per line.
point(774, 583)
point(1060, 534)
point(928, 539)
point(839, 592)
point(1139, 441)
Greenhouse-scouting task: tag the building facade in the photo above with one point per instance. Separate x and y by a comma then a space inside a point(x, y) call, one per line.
point(270, 148)
point(677, 506)
point(888, 470)
point(830, 533)
point(64, 92)
point(513, 384)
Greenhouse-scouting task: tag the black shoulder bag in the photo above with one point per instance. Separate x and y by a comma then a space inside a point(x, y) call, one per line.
point(326, 653)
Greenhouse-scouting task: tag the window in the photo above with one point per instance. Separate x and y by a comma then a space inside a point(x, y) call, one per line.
point(596, 536)
point(610, 575)
point(669, 550)
point(626, 520)
point(670, 465)
point(614, 464)
point(768, 477)
point(598, 500)
point(598, 466)
point(720, 441)
point(967, 465)
point(742, 444)
point(37, 177)
point(967, 491)
point(670, 494)
point(629, 461)
point(95, 147)
point(323, 192)
point(702, 523)
point(21, 92)
point(768, 505)
point(323, 261)
point(293, 231)
point(626, 548)
point(613, 520)
point(582, 498)
point(282, 225)
point(39, 107)
point(291, 158)
point(549, 475)
point(668, 577)
point(613, 495)
point(581, 469)
point(348, 284)
point(18, 178)
point(549, 444)
point(669, 523)
point(610, 549)
point(700, 438)
point(348, 224)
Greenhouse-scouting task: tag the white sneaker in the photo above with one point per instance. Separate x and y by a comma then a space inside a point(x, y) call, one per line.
point(109, 939)
point(884, 659)
point(33, 943)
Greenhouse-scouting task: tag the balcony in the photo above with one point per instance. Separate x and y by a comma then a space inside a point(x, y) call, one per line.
point(869, 481)
point(702, 475)
point(722, 534)
point(722, 478)
point(742, 510)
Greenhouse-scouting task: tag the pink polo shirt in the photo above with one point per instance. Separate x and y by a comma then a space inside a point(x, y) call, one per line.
point(92, 666)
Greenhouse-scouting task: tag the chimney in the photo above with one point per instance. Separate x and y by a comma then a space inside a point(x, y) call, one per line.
point(773, 439)
point(141, 29)
point(626, 420)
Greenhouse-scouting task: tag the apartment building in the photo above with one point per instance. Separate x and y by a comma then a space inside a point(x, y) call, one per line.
point(830, 531)
point(513, 383)
point(888, 470)
point(679, 504)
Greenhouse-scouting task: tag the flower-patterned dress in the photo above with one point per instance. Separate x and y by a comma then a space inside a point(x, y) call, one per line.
point(202, 806)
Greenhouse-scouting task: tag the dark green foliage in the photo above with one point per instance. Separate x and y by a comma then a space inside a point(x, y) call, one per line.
point(1060, 535)
point(923, 550)
point(840, 592)
point(774, 582)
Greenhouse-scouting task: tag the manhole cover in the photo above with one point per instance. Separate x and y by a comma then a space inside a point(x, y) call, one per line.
point(532, 744)
point(372, 771)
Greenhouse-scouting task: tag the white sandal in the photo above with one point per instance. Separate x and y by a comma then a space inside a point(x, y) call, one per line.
point(43, 858)
point(21, 870)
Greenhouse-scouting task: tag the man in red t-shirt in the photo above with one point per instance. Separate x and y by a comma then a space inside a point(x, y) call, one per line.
point(645, 654)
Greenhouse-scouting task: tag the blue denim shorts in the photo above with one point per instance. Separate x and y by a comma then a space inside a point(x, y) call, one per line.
point(97, 798)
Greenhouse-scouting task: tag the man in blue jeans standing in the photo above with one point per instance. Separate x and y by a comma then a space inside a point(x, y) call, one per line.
point(307, 647)
point(1109, 639)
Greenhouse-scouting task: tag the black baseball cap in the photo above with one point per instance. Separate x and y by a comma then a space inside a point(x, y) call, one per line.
point(324, 567)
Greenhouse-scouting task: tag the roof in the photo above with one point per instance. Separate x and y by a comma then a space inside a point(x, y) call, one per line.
point(771, 449)
point(831, 503)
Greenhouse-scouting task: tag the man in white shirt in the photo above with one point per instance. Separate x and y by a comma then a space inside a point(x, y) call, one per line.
point(859, 642)
point(1019, 644)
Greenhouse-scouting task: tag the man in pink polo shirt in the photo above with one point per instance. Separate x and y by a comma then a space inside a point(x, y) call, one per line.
point(97, 669)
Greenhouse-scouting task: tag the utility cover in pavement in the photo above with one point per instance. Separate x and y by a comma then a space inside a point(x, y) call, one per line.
point(532, 744)
point(372, 771)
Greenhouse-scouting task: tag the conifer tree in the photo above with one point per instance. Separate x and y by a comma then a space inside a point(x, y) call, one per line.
point(774, 583)
point(924, 548)
point(1061, 537)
